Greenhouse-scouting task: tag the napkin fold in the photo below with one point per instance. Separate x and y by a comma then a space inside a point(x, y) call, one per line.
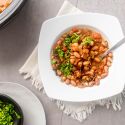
point(79, 111)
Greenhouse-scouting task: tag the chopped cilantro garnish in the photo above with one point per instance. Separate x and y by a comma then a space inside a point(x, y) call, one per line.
point(75, 37)
point(7, 114)
point(53, 61)
point(59, 51)
point(87, 40)
point(67, 41)
point(67, 54)
point(66, 68)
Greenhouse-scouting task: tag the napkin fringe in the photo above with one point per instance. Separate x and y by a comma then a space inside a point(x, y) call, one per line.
point(36, 82)
point(83, 112)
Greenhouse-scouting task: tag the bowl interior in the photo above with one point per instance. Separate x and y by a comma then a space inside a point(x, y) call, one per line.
point(17, 108)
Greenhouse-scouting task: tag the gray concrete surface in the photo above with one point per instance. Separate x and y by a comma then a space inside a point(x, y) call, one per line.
point(18, 39)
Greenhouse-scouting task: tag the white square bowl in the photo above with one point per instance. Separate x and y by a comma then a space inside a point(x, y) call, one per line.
point(52, 29)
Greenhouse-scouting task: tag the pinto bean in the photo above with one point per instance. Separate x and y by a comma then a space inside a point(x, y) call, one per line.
point(109, 63)
point(86, 68)
point(84, 77)
point(72, 57)
point(105, 49)
point(94, 67)
point(78, 74)
point(95, 52)
point(69, 76)
point(71, 32)
point(86, 63)
point(81, 86)
point(95, 48)
point(58, 72)
point(76, 62)
point(72, 77)
point(80, 64)
point(92, 43)
point(78, 81)
point(64, 35)
point(86, 84)
point(85, 51)
point(110, 54)
point(109, 59)
point(72, 60)
point(62, 39)
point(105, 43)
point(101, 49)
point(74, 68)
point(91, 83)
point(91, 72)
point(97, 81)
point(73, 82)
point(106, 69)
point(76, 54)
point(101, 66)
point(85, 56)
point(59, 42)
point(54, 66)
point(67, 81)
point(80, 47)
point(104, 61)
point(104, 75)
point(63, 78)
point(79, 32)
point(99, 77)
point(75, 47)
point(92, 53)
point(97, 59)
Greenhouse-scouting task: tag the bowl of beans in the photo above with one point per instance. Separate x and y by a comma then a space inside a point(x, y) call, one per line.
point(75, 57)
point(69, 57)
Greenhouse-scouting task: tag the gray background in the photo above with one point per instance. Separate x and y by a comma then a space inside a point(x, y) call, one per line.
point(18, 39)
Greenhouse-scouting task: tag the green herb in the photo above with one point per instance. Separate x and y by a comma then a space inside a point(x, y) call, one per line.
point(66, 68)
point(87, 40)
point(67, 41)
point(67, 54)
point(53, 61)
point(7, 114)
point(71, 39)
point(59, 51)
point(75, 38)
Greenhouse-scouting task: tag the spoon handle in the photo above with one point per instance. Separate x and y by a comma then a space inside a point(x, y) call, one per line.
point(117, 45)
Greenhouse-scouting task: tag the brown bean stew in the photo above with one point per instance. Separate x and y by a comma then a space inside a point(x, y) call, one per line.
point(75, 57)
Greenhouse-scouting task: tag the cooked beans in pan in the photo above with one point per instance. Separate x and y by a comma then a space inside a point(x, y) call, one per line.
point(4, 4)
point(75, 57)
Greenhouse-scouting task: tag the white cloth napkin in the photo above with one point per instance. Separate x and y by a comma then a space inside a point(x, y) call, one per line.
point(79, 111)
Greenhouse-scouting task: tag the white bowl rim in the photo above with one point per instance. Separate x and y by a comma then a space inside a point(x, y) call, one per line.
point(49, 94)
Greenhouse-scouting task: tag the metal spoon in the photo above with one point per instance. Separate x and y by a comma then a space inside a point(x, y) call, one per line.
point(117, 45)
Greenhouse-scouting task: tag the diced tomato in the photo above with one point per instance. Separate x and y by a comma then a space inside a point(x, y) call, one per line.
point(96, 35)
point(64, 49)
point(74, 29)
point(59, 42)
